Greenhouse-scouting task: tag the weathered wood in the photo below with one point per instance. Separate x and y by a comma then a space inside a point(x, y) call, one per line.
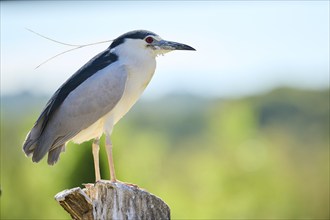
point(106, 200)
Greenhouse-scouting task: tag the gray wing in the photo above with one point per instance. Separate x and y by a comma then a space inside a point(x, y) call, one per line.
point(90, 101)
point(97, 63)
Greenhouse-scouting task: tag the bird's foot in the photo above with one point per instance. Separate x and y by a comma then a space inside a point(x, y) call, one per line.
point(125, 183)
point(116, 181)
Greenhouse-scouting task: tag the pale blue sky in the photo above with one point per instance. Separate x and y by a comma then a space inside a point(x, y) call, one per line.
point(242, 47)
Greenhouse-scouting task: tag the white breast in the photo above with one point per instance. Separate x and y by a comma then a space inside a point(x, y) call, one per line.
point(139, 77)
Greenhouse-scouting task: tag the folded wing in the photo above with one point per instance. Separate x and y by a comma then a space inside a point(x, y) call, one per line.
point(88, 95)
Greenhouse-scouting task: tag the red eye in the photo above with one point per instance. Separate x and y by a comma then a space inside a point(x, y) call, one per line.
point(149, 40)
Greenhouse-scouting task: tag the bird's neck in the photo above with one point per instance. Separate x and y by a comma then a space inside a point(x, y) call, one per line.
point(143, 61)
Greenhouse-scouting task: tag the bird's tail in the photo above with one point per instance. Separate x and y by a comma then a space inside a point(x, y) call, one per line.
point(31, 142)
point(37, 144)
point(54, 154)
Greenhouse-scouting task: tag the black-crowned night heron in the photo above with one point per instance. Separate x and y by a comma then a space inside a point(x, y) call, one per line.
point(97, 96)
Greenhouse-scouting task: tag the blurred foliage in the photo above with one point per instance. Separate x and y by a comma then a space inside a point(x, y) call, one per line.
point(260, 157)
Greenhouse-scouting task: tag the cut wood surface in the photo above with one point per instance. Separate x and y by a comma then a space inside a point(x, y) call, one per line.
point(106, 200)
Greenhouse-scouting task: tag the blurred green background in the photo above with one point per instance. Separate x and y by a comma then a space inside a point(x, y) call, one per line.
point(264, 156)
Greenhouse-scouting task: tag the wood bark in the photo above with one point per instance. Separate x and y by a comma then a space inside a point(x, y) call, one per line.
point(106, 200)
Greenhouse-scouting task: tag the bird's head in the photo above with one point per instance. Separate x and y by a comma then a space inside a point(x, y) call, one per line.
point(146, 41)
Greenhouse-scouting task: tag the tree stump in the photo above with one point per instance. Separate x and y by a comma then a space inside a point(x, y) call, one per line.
point(106, 200)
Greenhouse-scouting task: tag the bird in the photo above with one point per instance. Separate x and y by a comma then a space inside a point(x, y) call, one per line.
point(96, 97)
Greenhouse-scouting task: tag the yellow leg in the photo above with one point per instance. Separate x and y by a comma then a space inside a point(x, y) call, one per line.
point(96, 149)
point(108, 146)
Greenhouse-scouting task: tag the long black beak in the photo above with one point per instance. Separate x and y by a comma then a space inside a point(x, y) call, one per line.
point(170, 45)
